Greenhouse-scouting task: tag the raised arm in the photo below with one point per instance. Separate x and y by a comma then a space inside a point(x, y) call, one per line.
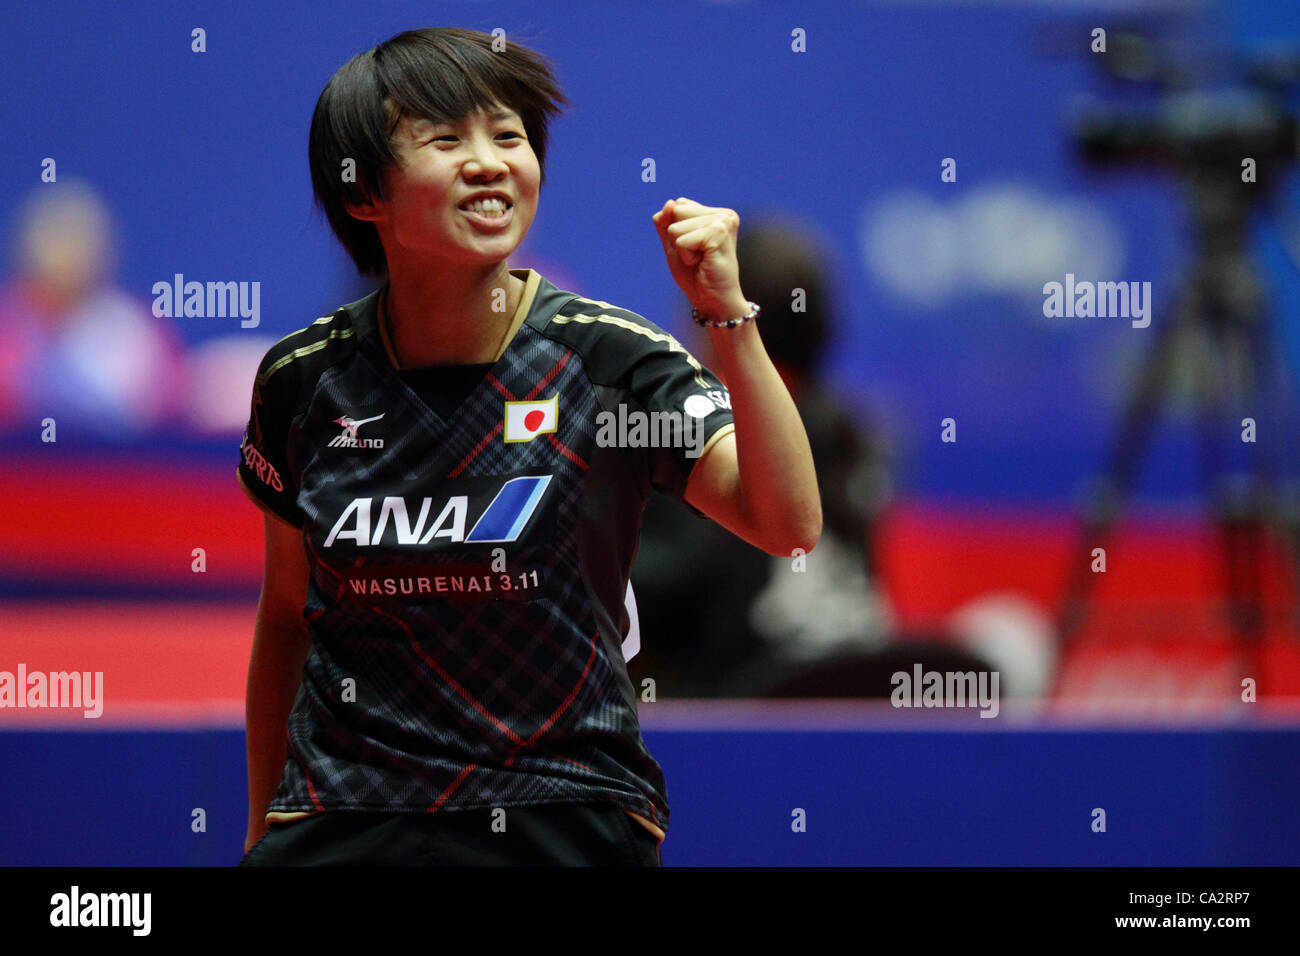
point(759, 482)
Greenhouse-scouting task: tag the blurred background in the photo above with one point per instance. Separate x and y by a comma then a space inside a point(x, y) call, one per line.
point(1102, 509)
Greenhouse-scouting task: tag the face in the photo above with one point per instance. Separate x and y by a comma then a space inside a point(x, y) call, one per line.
point(440, 166)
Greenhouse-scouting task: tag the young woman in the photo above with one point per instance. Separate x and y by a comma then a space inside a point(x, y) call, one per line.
point(453, 492)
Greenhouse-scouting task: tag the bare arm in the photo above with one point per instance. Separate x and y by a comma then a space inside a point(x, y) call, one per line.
point(280, 646)
point(758, 483)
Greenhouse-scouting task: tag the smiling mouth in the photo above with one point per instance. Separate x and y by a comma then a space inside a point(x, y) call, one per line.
point(487, 208)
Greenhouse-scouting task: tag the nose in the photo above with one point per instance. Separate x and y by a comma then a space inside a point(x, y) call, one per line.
point(484, 161)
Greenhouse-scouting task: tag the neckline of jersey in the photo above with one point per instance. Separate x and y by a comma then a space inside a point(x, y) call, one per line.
point(532, 281)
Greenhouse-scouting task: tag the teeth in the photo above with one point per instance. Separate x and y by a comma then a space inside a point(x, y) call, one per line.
point(488, 207)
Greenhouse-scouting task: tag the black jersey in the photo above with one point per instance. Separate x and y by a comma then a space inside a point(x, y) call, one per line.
point(468, 572)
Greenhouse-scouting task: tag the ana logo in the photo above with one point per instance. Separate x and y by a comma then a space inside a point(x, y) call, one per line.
point(349, 437)
point(526, 420)
point(506, 515)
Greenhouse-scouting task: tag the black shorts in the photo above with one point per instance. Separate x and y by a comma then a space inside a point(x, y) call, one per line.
point(548, 835)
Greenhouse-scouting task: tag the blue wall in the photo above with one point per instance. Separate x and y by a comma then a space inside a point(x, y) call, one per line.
point(872, 797)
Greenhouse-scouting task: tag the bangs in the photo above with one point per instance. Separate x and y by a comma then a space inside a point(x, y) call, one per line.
point(443, 86)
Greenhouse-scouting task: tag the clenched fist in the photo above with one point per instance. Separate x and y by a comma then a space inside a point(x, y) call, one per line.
point(700, 246)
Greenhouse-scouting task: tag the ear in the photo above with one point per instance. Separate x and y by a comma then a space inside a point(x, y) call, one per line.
point(368, 210)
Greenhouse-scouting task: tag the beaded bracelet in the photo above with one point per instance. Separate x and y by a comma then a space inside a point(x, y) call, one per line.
point(726, 323)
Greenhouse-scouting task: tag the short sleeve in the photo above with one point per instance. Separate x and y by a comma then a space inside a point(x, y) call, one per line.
point(264, 470)
point(692, 404)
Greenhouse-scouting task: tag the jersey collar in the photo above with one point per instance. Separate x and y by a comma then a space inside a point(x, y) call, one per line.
point(365, 311)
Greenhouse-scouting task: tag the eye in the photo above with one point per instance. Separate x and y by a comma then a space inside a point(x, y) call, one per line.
point(439, 139)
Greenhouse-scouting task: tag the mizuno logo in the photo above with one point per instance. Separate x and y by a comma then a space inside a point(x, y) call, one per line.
point(503, 520)
point(349, 437)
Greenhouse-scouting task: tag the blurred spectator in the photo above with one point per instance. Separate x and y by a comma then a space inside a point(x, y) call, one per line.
point(77, 349)
point(721, 618)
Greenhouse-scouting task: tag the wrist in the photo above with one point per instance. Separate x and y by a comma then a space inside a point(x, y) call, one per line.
point(728, 314)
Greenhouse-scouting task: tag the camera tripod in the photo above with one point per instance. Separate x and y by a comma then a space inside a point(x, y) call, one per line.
point(1219, 318)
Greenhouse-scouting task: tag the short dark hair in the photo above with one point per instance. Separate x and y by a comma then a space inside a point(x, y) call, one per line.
point(441, 74)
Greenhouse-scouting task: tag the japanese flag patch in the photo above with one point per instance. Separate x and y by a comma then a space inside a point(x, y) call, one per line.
point(526, 420)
